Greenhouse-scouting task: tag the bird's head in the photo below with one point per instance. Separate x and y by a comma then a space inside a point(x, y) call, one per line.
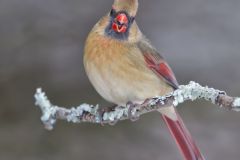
point(120, 21)
point(121, 18)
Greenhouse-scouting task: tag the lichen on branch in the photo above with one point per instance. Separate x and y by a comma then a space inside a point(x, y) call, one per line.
point(110, 115)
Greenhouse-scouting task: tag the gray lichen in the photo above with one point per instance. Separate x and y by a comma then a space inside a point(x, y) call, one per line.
point(91, 113)
point(48, 110)
point(194, 91)
point(236, 104)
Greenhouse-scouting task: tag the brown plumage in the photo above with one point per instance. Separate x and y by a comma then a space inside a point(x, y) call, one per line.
point(123, 66)
point(118, 71)
point(130, 6)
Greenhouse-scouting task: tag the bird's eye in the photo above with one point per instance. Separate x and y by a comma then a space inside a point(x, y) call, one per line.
point(120, 23)
point(113, 13)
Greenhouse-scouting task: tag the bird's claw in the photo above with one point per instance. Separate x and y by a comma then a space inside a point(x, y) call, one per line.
point(101, 112)
point(112, 123)
point(146, 101)
point(132, 116)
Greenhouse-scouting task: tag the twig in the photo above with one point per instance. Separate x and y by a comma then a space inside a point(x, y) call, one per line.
point(110, 115)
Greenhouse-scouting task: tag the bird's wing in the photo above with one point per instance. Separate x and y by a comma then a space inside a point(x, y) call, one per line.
point(156, 63)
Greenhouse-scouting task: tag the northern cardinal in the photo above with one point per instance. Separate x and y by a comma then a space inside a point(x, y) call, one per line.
point(124, 67)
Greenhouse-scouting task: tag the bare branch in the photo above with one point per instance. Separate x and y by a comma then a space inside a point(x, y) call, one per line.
point(110, 115)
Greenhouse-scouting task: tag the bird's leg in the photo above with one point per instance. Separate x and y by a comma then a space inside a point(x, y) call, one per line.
point(132, 116)
point(112, 123)
point(146, 101)
point(101, 112)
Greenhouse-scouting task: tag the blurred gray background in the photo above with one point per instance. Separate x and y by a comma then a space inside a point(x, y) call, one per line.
point(41, 44)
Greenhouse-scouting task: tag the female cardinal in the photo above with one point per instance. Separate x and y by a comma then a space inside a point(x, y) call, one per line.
point(124, 67)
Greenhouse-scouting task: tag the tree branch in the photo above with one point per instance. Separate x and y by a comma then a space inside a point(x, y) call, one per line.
point(110, 115)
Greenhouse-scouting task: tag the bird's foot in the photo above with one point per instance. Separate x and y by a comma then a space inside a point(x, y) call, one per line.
point(101, 115)
point(132, 111)
point(101, 112)
point(112, 123)
point(146, 101)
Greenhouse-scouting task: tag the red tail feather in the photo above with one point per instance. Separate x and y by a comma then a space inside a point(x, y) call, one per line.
point(186, 144)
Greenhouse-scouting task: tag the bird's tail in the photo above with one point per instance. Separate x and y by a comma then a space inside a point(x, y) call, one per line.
point(182, 137)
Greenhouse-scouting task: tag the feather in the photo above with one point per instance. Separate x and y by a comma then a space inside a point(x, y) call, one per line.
point(157, 64)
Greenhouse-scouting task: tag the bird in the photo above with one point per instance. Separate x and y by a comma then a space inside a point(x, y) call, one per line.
point(123, 66)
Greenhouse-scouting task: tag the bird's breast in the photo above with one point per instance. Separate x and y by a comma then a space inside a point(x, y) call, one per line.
point(118, 71)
